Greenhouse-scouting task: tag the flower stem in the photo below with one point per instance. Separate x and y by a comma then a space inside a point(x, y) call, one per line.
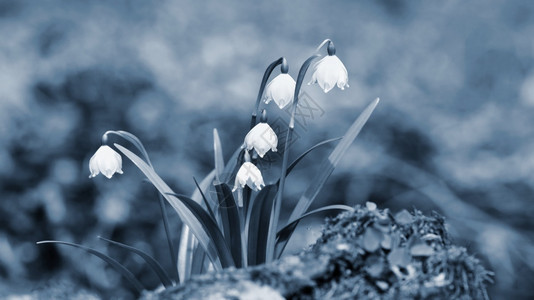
point(322, 44)
point(266, 75)
point(275, 215)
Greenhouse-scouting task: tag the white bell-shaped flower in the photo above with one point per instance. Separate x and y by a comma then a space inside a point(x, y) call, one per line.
point(262, 138)
point(281, 90)
point(105, 161)
point(249, 175)
point(329, 72)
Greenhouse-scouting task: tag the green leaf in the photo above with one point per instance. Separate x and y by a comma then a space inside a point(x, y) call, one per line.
point(115, 264)
point(258, 220)
point(296, 161)
point(230, 221)
point(331, 162)
point(285, 233)
point(218, 154)
point(206, 202)
point(197, 262)
point(151, 262)
point(211, 228)
point(328, 165)
point(187, 241)
point(168, 232)
point(233, 164)
point(184, 213)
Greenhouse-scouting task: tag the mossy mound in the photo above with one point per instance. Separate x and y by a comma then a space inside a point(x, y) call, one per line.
point(362, 254)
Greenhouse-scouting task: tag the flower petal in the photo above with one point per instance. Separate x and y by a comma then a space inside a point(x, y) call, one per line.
point(281, 90)
point(105, 161)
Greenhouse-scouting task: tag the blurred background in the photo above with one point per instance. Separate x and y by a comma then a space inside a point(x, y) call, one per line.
point(453, 133)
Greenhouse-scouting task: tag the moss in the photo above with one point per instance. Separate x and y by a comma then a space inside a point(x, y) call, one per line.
point(365, 254)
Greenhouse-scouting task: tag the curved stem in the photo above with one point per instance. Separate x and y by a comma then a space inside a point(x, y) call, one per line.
point(130, 138)
point(322, 44)
point(266, 75)
point(275, 215)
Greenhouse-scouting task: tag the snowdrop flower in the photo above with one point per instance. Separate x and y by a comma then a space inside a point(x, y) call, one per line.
point(262, 138)
point(105, 160)
point(249, 175)
point(281, 90)
point(330, 71)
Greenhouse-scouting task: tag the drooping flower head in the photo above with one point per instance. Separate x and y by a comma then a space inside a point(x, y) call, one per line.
point(262, 138)
point(330, 71)
point(105, 161)
point(249, 175)
point(281, 90)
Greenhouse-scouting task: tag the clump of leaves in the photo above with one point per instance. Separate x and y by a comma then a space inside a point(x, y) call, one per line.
point(397, 256)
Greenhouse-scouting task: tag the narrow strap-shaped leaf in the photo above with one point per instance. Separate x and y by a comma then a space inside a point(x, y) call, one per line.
point(232, 165)
point(168, 233)
point(112, 262)
point(285, 233)
point(230, 221)
point(151, 262)
point(206, 202)
point(197, 263)
point(188, 242)
point(330, 163)
point(184, 213)
point(327, 167)
point(296, 161)
point(258, 222)
point(218, 154)
point(211, 228)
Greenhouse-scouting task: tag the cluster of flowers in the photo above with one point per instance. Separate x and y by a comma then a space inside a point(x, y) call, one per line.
point(328, 73)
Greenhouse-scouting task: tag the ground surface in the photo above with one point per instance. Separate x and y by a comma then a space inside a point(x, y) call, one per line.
point(364, 254)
